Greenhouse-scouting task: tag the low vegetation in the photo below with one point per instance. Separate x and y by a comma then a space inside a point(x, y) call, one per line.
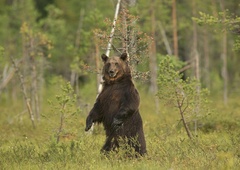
point(217, 145)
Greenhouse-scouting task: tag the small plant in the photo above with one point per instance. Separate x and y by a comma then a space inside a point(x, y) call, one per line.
point(185, 95)
point(65, 107)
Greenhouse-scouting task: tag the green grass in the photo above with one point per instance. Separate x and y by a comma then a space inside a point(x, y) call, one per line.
point(22, 147)
point(211, 151)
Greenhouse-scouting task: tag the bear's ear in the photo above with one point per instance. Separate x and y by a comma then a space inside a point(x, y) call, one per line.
point(124, 56)
point(104, 58)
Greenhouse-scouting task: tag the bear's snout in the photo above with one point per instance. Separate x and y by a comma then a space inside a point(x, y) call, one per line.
point(112, 73)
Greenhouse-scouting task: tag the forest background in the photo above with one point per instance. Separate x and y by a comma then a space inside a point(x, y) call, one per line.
point(46, 43)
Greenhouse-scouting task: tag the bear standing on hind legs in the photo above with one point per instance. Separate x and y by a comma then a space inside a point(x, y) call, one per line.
point(117, 106)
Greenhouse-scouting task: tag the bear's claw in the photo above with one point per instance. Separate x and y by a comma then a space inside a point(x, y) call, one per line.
point(89, 123)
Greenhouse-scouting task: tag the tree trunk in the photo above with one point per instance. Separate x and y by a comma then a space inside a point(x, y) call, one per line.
point(224, 68)
point(125, 43)
point(34, 91)
point(77, 45)
point(74, 73)
point(42, 64)
point(165, 40)
point(23, 87)
point(196, 66)
point(174, 21)
point(195, 45)
point(97, 62)
point(206, 60)
point(153, 59)
point(7, 76)
point(224, 58)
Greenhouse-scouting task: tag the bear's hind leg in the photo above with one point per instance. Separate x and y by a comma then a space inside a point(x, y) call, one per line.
point(110, 144)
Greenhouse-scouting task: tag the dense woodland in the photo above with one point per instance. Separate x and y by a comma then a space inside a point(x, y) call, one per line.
point(60, 34)
point(50, 69)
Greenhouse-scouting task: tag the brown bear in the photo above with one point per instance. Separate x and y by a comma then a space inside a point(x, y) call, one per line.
point(117, 106)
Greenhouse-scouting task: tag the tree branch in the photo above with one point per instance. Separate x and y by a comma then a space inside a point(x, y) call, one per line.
point(27, 100)
point(182, 116)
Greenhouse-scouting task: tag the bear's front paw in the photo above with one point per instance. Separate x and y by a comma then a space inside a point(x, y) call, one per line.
point(89, 123)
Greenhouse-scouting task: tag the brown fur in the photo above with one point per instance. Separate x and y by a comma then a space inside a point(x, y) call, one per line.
point(117, 106)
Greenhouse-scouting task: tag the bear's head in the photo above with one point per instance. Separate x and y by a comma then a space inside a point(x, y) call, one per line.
point(115, 68)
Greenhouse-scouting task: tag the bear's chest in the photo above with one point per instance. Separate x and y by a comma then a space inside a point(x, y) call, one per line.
point(112, 95)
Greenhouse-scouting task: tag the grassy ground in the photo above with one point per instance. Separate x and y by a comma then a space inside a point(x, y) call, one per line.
point(217, 145)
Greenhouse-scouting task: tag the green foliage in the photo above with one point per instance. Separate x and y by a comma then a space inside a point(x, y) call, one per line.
point(207, 19)
point(65, 108)
point(224, 21)
point(185, 95)
point(37, 44)
point(53, 24)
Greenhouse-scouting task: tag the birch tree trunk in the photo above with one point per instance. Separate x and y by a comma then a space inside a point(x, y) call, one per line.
point(113, 28)
point(165, 40)
point(100, 86)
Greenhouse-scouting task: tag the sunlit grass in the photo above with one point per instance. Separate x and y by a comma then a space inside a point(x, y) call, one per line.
point(217, 145)
point(211, 151)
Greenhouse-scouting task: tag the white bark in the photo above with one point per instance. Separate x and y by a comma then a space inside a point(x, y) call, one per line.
point(100, 86)
point(113, 28)
point(165, 40)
